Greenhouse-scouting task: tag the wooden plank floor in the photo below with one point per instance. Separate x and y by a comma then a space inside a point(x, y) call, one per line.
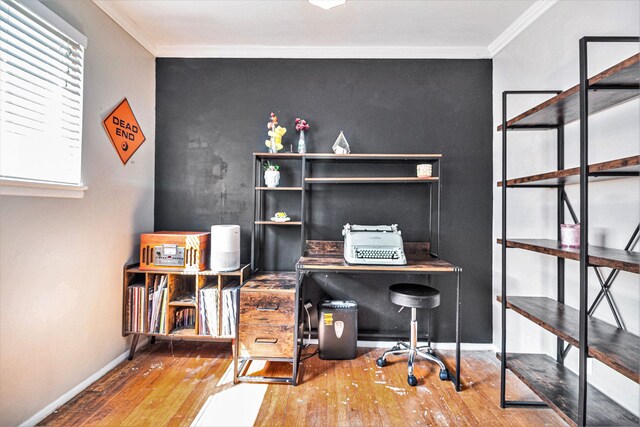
point(166, 385)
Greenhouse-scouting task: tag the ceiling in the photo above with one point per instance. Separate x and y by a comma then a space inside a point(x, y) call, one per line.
point(295, 28)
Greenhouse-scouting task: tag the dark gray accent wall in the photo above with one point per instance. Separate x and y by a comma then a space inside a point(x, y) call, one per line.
point(212, 115)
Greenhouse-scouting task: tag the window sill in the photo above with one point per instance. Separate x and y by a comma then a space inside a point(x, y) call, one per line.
point(14, 187)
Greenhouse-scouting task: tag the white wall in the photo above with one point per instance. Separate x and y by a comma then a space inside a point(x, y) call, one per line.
point(61, 259)
point(544, 57)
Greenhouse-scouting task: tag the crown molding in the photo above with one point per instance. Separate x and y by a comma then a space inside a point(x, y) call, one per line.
point(322, 52)
point(127, 24)
point(529, 16)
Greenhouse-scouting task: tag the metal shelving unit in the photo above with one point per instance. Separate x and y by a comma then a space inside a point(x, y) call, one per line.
point(567, 393)
point(307, 181)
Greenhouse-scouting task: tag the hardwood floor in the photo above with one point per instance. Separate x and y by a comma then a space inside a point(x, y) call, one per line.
point(166, 385)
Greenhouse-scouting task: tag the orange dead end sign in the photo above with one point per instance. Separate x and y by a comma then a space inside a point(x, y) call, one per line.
point(124, 131)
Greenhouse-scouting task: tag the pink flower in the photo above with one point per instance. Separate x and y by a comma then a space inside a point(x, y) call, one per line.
point(301, 125)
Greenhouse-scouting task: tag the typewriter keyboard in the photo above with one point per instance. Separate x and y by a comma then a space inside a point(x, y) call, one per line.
point(376, 254)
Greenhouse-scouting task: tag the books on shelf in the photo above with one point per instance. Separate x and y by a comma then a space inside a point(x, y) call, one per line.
point(135, 308)
point(210, 302)
point(230, 296)
point(185, 318)
point(209, 310)
point(157, 301)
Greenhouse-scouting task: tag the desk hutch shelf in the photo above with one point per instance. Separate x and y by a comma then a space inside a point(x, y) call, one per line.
point(570, 395)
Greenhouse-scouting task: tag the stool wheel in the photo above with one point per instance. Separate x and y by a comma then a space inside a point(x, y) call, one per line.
point(444, 375)
point(412, 380)
point(381, 362)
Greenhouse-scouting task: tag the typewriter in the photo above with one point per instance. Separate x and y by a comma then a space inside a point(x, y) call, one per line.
point(373, 244)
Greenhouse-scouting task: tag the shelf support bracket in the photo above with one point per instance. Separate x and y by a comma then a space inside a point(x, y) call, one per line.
point(605, 285)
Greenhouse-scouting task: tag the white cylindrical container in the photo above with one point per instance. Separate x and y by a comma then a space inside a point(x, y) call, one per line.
point(570, 235)
point(424, 170)
point(225, 247)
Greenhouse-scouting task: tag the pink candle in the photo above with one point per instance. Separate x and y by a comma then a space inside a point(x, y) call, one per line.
point(570, 235)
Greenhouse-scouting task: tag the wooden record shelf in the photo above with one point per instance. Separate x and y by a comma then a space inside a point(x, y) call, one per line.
point(614, 347)
point(611, 87)
point(598, 255)
point(179, 284)
point(618, 168)
point(557, 386)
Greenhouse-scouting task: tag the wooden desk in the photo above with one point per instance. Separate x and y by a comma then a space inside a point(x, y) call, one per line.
point(330, 262)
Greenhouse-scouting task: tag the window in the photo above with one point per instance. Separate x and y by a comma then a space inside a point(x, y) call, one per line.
point(41, 73)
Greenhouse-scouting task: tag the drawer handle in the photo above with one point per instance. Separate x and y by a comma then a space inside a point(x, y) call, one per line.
point(266, 340)
point(268, 308)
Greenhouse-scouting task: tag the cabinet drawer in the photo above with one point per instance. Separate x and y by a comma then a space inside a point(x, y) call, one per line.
point(271, 308)
point(265, 341)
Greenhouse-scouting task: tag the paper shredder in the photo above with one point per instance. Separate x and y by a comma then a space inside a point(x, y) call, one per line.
point(337, 330)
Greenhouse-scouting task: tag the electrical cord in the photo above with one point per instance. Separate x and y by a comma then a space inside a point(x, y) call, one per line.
point(306, 308)
point(307, 356)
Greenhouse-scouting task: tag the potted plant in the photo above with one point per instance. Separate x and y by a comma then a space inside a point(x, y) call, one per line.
point(271, 174)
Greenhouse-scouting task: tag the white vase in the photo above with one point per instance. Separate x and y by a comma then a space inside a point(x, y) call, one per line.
point(271, 178)
point(302, 146)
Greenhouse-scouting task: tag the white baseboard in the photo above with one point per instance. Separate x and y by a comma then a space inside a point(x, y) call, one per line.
point(434, 345)
point(44, 412)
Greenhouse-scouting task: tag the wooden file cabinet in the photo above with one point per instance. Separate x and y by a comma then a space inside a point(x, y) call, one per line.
point(267, 318)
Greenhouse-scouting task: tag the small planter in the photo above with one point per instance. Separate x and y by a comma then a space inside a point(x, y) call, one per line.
point(271, 178)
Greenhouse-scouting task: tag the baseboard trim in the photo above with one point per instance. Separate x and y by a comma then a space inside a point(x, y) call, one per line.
point(44, 412)
point(435, 345)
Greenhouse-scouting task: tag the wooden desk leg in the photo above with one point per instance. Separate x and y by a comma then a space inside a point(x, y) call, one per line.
point(134, 344)
point(458, 302)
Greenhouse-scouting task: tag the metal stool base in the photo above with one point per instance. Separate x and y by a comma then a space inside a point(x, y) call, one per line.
point(412, 349)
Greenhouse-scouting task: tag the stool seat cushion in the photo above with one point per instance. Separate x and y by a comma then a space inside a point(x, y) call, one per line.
point(414, 295)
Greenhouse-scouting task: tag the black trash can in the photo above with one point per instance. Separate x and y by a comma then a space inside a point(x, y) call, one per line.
point(337, 330)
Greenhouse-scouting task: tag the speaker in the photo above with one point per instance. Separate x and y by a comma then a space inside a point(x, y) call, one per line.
point(225, 247)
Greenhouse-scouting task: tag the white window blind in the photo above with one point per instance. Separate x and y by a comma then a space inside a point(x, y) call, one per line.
point(41, 75)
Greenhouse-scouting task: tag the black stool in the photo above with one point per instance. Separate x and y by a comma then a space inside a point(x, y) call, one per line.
point(414, 296)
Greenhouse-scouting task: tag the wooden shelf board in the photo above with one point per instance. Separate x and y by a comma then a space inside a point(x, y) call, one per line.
point(352, 157)
point(278, 155)
point(598, 171)
point(278, 223)
point(614, 347)
point(558, 387)
point(237, 272)
point(272, 281)
point(598, 255)
point(368, 157)
point(184, 332)
point(336, 263)
point(182, 304)
point(565, 107)
point(371, 180)
point(182, 335)
point(279, 188)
